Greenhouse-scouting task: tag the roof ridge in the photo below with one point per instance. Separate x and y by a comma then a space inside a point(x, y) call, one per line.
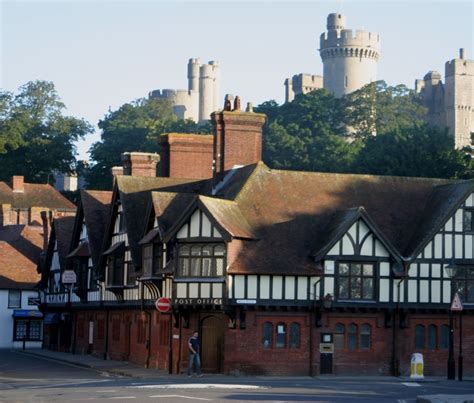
point(258, 167)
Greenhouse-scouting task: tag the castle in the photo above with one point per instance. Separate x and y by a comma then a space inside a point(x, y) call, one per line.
point(451, 104)
point(349, 61)
point(202, 96)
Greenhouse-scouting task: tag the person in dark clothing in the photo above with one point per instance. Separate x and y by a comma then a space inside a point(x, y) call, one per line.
point(194, 358)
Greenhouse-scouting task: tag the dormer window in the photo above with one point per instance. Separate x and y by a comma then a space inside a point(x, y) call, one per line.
point(355, 280)
point(151, 260)
point(201, 260)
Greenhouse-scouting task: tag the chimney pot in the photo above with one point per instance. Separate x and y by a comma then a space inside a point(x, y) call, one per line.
point(237, 103)
point(249, 107)
point(461, 53)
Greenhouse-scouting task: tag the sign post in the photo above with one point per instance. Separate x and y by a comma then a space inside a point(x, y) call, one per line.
point(456, 306)
point(163, 304)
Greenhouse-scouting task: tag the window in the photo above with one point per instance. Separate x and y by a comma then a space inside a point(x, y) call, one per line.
point(468, 220)
point(29, 330)
point(81, 268)
point(14, 299)
point(131, 275)
point(267, 333)
point(464, 282)
point(432, 337)
point(115, 270)
point(339, 336)
point(280, 335)
point(201, 260)
point(352, 337)
point(419, 337)
point(356, 281)
point(444, 337)
point(294, 341)
point(151, 260)
point(365, 336)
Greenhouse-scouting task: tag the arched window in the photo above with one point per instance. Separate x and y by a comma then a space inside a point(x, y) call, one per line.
point(432, 337)
point(352, 343)
point(444, 337)
point(419, 337)
point(339, 333)
point(365, 336)
point(280, 335)
point(267, 334)
point(295, 335)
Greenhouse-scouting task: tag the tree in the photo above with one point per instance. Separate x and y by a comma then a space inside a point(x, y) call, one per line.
point(378, 108)
point(421, 150)
point(36, 138)
point(135, 126)
point(307, 134)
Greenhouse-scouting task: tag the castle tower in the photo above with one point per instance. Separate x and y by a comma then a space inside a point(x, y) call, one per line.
point(193, 75)
point(208, 85)
point(349, 60)
point(459, 99)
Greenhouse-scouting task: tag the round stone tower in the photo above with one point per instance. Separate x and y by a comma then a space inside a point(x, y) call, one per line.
point(349, 60)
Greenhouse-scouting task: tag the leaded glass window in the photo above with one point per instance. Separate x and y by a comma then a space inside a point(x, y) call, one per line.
point(356, 281)
point(365, 334)
point(419, 337)
point(339, 336)
point(280, 335)
point(352, 342)
point(201, 260)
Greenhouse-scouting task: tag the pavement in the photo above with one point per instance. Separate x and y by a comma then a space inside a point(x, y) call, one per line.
point(126, 369)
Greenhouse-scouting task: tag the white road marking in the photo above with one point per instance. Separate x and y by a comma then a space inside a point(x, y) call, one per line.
point(66, 384)
point(182, 397)
point(197, 386)
point(410, 384)
point(123, 397)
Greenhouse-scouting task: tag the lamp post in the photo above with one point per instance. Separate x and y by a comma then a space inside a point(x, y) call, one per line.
point(451, 272)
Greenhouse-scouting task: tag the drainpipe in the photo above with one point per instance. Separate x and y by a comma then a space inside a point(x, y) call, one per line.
point(311, 332)
point(395, 366)
point(148, 315)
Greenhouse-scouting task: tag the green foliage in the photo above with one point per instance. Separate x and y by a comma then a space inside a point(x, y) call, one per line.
point(135, 126)
point(35, 137)
point(307, 134)
point(317, 132)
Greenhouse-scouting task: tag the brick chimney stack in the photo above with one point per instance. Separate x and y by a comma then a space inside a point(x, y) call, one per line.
point(18, 184)
point(237, 138)
point(186, 156)
point(140, 164)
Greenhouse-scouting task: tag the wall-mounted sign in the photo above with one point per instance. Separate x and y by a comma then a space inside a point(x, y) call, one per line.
point(68, 277)
point(197, 301)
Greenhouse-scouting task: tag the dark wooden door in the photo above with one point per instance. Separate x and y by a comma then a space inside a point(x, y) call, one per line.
point(326, 349)
point(212, 344)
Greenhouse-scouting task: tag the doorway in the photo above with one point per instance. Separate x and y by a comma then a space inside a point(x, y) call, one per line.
point(326, 350)
point(212, 343)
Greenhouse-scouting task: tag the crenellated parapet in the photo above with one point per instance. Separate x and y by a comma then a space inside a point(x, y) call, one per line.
point(349, 57)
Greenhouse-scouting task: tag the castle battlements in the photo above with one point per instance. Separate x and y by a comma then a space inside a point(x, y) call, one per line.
point(349, 38)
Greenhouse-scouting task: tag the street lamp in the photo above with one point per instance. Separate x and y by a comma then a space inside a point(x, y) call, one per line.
point(451, 270)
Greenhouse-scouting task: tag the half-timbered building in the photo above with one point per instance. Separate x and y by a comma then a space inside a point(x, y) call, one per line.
point(282, 272)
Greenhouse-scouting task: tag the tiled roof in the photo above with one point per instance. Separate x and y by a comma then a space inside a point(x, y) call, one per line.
point(291, 210)
point(63, 227)
point(20, 249)
point(34, 195)
point(95, 206)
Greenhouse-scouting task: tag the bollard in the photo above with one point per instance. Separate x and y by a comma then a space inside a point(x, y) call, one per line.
point(416, 366)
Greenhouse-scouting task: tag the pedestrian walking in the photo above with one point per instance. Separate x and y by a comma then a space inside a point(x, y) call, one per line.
point(194, 358)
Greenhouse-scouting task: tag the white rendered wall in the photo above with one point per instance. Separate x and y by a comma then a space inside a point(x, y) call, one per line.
point(6, 319)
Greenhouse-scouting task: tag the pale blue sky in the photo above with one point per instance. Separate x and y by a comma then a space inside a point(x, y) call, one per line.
point(101, 54)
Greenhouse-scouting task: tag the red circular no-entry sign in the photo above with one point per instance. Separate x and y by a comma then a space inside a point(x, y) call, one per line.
point(163, 304)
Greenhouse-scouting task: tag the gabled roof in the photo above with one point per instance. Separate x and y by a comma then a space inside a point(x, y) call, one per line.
point(95, 205)
point(340, 223)
point(20, 249)
point(291, 211)
point(442, 204)
point(62, 232)
point(134, 193)
point(225, 214)
point(34, 195)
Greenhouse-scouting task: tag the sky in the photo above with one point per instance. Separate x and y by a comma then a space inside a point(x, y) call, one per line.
point(101, 54)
